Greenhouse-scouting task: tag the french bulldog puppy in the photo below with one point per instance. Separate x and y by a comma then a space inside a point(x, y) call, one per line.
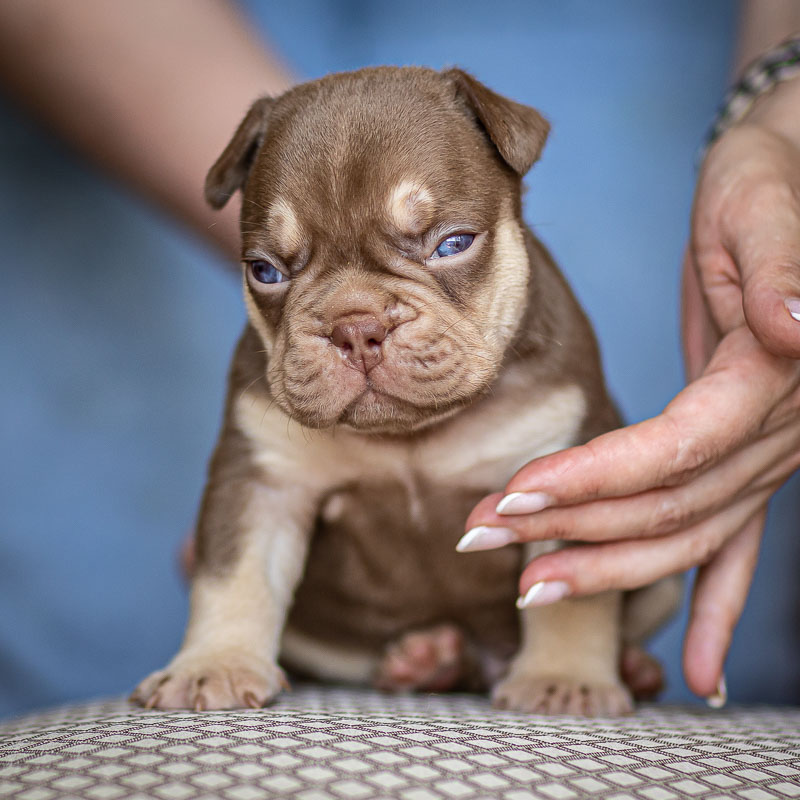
point(410, 345)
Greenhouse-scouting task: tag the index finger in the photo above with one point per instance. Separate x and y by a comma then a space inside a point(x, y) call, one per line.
point(712, 417)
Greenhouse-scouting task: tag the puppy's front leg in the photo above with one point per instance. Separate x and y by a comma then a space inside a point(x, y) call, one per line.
point(252, 542)
point(568, 661)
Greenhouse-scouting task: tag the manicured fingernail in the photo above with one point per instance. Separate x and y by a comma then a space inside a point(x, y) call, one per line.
point(523, 503)
point(793, 306)
point(720, 697)
point(485, 538)
point(544, 592)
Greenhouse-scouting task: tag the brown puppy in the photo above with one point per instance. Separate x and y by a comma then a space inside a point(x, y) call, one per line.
point(410, 345)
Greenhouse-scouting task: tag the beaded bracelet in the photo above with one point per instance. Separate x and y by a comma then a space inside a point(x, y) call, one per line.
point(761, 75)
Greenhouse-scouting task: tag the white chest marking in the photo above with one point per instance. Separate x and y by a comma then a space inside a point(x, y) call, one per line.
point(488, 451)
point(481, 448)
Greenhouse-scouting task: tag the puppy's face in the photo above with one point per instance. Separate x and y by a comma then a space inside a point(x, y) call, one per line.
point(384, 263)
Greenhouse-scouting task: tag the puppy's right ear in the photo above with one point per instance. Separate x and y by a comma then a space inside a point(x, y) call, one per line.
point(232, 168)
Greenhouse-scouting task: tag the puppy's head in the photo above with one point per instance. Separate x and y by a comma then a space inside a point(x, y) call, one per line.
point(384, 263)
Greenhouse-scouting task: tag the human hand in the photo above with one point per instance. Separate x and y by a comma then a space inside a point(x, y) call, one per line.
point(690, 486)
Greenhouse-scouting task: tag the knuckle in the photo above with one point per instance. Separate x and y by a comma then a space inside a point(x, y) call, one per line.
point(590, 458)
point(702, 549)
point(691, 456)
point(670, 514)
point(559, 530)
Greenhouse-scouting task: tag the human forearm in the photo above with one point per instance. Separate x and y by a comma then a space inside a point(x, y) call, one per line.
point(149, 90)
point(762, 24)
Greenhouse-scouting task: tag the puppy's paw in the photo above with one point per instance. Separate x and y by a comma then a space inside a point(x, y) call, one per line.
point(430, 660)
point(641, 672)
point(541, 694)
point(205, 682)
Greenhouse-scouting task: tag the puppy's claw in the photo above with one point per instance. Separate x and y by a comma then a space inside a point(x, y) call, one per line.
point(251, 700)
point(539, 694)
point(207, 682)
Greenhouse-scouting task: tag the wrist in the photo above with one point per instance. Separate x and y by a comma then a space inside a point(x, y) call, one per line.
point(778, 111)
point(759, 81)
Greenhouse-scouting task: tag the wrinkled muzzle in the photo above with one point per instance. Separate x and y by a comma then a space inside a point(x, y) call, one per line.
point(360, 355)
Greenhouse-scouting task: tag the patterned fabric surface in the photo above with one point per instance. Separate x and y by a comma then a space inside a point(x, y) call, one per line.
point(336, 744)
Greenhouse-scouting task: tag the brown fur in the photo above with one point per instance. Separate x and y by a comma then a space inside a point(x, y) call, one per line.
point(339, 487)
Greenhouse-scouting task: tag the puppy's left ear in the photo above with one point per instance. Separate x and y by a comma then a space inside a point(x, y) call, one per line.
point(231, 169)
point(517, 131)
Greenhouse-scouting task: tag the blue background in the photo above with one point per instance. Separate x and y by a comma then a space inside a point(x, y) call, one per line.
point(116, 327)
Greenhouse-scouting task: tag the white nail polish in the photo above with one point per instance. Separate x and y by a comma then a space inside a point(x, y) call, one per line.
point(485, 538)
point(523, 503)
point(543, 593)
point(720, 697)
point(793, 307)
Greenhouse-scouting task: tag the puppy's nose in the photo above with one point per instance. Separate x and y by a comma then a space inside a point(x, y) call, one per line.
point(359, 337)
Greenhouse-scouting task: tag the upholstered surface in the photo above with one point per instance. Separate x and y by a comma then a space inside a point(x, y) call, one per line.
point(324, 744)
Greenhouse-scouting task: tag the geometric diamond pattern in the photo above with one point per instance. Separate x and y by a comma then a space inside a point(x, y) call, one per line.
point(324, 743)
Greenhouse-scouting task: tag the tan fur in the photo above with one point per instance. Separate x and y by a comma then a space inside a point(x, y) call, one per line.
point(505, 300)
point(483, 450)
point(340, 485)
point(286, 225)
point(410, 207)
point(309, 656)
point(258, 322)
point(568, 660)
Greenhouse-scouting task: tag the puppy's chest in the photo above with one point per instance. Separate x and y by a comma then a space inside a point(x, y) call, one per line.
point(477, 451)
point(383, 561)
point(382, 557)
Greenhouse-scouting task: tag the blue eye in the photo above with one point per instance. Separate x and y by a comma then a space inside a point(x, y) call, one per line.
point(453, 245)
point(264, 272)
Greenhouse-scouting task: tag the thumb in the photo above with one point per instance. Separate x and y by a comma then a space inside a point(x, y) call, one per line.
point(771, 299)
point(767, 254)
point(699, 332)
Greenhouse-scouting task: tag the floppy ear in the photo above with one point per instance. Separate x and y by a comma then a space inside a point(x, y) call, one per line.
point(231, 169)
point(517, 131)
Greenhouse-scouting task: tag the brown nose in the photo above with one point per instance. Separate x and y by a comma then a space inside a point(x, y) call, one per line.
point(359, 337)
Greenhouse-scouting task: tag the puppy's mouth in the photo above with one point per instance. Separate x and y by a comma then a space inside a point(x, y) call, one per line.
point(367, 406)
point(376, 410)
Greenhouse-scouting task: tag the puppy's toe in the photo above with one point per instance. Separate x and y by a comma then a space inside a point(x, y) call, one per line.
point(430, 660)
point(204, 683)
point(536, 694)
point(148, 687)
point(608, 701)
